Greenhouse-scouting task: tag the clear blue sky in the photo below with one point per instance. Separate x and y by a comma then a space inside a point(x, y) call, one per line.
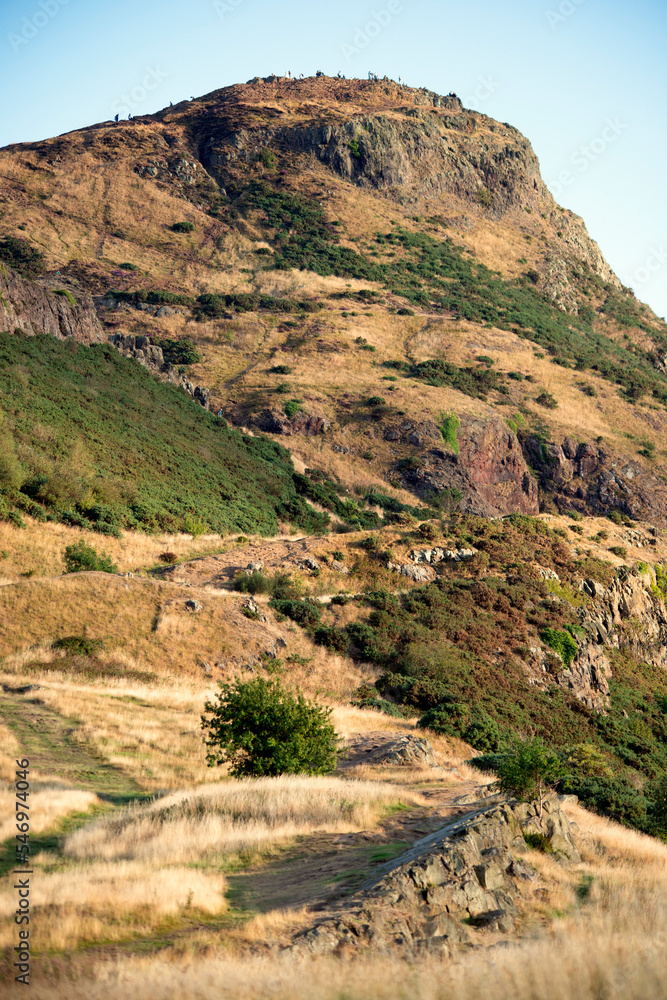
point(585, 80)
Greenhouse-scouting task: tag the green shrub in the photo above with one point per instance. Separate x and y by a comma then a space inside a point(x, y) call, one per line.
point(547, 400)
point(450, 424)
point(252, 583)
point(24, 258)
point(562, 643)
point(66, 294)
point(182, 227)
point(127, 266)
point(527, 768)
point(619, 550)
point(262, 729)
point(292, 407)
point(613, 797)
point(80, 558)
point(79, 645)
point(305, 613)
point(178, 352)
point(281, 370)
point(332, 638)
point(267, 158)
point(539, 842)
point(376, 401)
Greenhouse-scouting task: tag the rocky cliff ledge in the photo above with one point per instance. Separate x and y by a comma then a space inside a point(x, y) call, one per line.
point(50, 305)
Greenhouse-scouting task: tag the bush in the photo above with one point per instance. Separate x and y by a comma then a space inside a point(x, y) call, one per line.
point(292, 407)
point(24, 258)
point(527, 768)
point(261, 729)
point(178, 352)
point(304, 613)
point(546, 399)
point(267, 158)
point(562, 643)
point(79, 645)
point(82, 558)
point(168, 557)
point(182, 227)
point(448, 428)
point(619, 550)
point(613, 797)
point(332, 638)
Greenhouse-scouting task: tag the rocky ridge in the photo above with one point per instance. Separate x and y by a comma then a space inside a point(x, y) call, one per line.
point(467, 878)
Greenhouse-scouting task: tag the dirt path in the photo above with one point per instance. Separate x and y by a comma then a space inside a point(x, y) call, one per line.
point(322, 869)
point(46, 739)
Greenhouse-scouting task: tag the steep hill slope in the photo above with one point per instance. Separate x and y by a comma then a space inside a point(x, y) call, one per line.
point(352, 249)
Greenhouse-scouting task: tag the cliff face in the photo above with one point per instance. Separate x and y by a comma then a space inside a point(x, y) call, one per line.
point(48, 305)
point(405, 144)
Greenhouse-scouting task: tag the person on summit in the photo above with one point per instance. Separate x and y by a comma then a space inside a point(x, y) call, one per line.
point(116, 118)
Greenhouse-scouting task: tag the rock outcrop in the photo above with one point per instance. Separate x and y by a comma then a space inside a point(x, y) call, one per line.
point(628, 615)
point(466, 878)
point(388, 749)
point(407, 144)
point(277, 422)
point(151, 356)
point(52, 305)
point(489, 470)
point(593, 480)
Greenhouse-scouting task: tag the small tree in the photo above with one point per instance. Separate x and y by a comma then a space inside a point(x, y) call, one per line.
point(262, 729)
point(528, 768)
point(80, 558)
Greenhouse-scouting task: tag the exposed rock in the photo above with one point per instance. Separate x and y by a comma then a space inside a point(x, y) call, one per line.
point(490, 470)
point(339, 567)
point(437, 555)
point(389, 749)
point(466, 871)
point(255, 567)
point(593, 480)
point(275, 422)
point(548, 574)
point(419, 574)
point(36, 307)
point(628, 615)
point(312, 564)
point(151, 357)
point(194, 606)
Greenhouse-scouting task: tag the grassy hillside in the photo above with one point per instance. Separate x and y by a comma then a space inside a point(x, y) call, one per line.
point(91, 438)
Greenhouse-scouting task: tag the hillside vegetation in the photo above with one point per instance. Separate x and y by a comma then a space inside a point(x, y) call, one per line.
point(92, 439)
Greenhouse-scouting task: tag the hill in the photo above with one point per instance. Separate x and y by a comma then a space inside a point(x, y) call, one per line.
point(356, 406)
point(377, 241)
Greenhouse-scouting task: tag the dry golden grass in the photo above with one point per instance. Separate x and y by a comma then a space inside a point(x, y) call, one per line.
point(143, 618)
point(234, 817)
point(46, 806)
point(39, 550)
point(587, 962)
point(108, 902)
